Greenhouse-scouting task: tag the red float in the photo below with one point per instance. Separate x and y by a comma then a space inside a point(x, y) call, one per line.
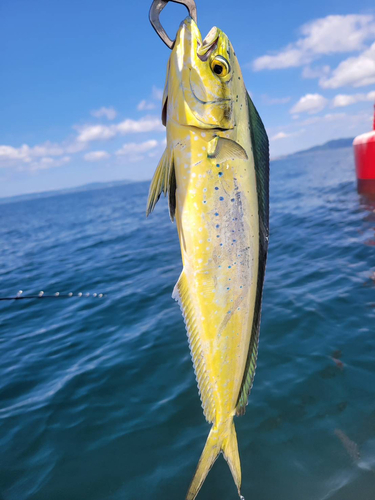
point(364, 153)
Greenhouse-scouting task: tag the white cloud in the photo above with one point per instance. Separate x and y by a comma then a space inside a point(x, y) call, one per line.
point(36, 157)
point(355, 71)
point(328, 118)
point(319, 129)
point(47, 162)
point(132, 148)
point(329, 35)
point(9, 153)
point(26, 153)
point(148, 124)
point(310, 103)
point(280, 135)
point(110, 113)
point(342, 100)
point(318, 72)
point(48, 155)
point(88, 133)
point(332, 117)
point(157, 94)
point(73, 146)
point(47, 149)
point(20, 159)
point(288, 58)
point(145, 105)
point(134, 151)
point(96, 156)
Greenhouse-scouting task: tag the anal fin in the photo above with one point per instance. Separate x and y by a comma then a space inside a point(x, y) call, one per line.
point(181, 294)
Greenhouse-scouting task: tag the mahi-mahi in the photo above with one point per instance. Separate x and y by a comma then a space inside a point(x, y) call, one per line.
point(215, 171)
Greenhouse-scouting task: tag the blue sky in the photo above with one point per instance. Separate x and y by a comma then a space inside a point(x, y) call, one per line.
point(81, 81)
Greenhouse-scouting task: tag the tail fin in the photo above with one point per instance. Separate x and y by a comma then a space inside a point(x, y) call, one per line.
point(220, 439)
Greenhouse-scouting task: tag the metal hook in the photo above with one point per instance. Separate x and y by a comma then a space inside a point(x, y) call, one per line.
point(155, 10)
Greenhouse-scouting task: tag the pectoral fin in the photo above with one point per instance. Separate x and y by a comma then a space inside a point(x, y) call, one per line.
point(164, 181)
point(221, 149)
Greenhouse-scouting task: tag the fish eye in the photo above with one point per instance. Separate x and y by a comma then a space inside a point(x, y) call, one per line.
point(220, 66)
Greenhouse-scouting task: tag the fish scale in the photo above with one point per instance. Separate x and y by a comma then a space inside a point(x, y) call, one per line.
point(214, 266)
point(215, 172)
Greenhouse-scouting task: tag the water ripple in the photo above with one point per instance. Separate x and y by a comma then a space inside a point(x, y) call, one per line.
point(98, 397)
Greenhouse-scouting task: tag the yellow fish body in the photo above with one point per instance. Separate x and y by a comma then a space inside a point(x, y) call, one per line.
point(215, 170)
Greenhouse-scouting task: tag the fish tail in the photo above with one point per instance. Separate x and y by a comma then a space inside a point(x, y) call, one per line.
point(231, 455)
point(222, 438)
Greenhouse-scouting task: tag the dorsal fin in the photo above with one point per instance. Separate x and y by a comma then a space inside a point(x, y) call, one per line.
point(260, 147)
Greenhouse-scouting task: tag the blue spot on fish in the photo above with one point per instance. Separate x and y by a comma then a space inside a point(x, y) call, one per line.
point(216, 214)
point(221, 198)
point(220, 174)
point(216, 188)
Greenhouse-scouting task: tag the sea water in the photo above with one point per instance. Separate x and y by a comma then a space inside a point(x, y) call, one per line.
point(98, 399)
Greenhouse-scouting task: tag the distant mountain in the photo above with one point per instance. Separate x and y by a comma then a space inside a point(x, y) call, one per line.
point(46, 194)
point(335, 144)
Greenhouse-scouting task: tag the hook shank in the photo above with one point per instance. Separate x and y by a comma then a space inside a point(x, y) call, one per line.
point(155, 10)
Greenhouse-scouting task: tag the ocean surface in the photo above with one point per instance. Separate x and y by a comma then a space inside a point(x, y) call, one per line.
point(98, 399)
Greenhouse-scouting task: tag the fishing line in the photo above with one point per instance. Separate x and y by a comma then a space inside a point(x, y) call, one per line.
point(57, 295)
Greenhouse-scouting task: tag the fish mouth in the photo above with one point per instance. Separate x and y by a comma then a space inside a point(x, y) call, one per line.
point(204, 56)
point(216, 101)
point(206, 47)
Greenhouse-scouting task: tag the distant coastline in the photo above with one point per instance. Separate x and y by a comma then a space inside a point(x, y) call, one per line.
point(335, 144)
point(327, 146)
point(56, 192)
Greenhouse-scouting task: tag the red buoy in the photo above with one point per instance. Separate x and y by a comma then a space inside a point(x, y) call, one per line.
point(364, 154)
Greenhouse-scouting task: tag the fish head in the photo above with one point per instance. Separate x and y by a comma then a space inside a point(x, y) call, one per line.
point(202, 79)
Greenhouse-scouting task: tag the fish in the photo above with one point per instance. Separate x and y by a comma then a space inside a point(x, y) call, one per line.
point(215, 173)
